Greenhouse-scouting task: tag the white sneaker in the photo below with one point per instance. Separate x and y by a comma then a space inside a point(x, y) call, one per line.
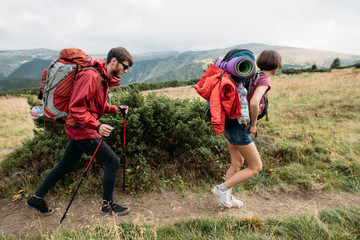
point(235, 202)
point(224, 197)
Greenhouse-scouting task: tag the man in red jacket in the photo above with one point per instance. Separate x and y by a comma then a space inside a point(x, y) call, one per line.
point(87, 104)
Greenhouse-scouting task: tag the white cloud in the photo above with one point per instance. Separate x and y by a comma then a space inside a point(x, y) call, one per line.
point(158, 25)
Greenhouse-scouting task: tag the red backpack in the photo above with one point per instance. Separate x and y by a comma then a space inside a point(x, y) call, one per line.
point(57, 81)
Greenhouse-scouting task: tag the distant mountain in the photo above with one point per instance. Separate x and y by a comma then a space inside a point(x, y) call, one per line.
point(18, 83)
point(166, 66)
point(190, 65)
point(11, 60)
point(32, 69)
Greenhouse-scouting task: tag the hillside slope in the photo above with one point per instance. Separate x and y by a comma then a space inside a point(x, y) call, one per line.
point(11, 60)
point(167, 66)
point(310, 152)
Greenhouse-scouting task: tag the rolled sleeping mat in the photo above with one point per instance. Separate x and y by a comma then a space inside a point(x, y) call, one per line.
point(242, 67)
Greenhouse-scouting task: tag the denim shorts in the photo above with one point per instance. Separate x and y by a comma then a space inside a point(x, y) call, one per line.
point(235, 135)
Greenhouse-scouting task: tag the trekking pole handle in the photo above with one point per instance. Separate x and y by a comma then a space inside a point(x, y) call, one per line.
point(123, 111)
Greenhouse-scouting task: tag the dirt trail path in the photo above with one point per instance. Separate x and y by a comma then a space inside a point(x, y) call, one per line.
point(165, 208)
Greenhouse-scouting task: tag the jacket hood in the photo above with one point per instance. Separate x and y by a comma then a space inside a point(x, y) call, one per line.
point(101, 67)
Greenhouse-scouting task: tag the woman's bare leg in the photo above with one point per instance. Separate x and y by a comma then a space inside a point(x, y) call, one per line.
point(237, 160)
point(251, 156)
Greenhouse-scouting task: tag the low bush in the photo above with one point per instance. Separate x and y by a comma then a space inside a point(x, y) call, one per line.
point(164, 138)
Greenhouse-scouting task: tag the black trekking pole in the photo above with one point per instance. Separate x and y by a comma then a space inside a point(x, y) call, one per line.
point(83, 176)
point(124, 151)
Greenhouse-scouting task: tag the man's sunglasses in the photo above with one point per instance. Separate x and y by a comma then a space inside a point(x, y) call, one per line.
point(124, 65)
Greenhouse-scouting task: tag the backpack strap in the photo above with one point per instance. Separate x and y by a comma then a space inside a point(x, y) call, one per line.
point(259, 74)
point(98, 84)
point(256, 78)
point(249, 83)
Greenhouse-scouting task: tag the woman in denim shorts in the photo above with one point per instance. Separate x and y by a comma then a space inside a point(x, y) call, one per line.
point(240, 144)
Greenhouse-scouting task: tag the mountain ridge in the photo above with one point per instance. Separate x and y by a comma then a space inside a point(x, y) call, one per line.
point(167, 65)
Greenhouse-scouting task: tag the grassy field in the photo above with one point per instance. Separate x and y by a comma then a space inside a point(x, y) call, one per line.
point(15, 123)
point(185, 92)
point(318, 115)
point(313, 136)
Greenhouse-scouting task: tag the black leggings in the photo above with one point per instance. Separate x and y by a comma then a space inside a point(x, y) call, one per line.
point(73, 152)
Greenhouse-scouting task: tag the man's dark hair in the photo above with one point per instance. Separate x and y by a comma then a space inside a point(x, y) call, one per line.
point(121, 54)
point(269, 60)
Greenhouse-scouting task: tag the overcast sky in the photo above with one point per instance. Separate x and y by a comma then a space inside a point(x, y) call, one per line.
point(179, 25)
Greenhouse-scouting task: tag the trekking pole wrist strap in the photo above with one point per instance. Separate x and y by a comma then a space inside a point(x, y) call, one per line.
point(98, 127)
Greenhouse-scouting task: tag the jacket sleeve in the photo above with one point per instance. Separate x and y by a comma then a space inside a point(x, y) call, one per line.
point(230, 100)
point(83, 91)
point(110, 109)
point(207, 82)
point(217, 112)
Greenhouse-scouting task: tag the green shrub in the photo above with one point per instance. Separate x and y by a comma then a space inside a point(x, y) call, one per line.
point(164, 138)
point(20, 92)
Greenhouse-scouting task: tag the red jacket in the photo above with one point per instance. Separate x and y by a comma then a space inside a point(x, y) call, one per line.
point(222, 96)
point(88, 101)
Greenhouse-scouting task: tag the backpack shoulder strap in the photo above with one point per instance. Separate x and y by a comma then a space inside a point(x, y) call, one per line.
point(100, 79)
point(257, 77)
point(92, 68)
point(250, 82)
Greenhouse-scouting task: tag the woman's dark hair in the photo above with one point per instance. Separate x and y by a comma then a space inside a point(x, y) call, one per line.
point(121, 54)
point(269, 60)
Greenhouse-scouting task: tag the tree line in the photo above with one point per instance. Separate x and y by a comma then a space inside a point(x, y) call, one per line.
point(334, 65)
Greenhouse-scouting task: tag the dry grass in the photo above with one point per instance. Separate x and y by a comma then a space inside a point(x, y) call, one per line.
point(185, 92)
point(292, 86)
point(307, 96)
point(297, 85)
point(15, 123)
point(313, 96)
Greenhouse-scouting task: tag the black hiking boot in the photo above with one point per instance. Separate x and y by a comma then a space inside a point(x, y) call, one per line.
point(40, 205)
point(112, 207)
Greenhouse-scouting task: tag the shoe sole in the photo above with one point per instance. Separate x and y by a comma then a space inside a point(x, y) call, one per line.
point(43, 214)
point(221, 205)
point(123, 212)
point(119, 213)
point(238, 206)
point(225, 205)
